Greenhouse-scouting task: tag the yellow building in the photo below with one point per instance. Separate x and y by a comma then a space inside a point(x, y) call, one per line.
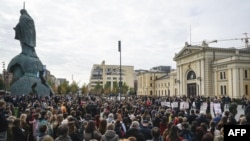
point(102, 74)
point(151, 82)
point(213, 71)
point(166, 85)
point(201, 70)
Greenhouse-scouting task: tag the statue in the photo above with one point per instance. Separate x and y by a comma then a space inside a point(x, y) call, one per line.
point(27, 69)
point(26, 33)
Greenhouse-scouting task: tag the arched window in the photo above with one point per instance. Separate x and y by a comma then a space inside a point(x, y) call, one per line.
point(191, 75)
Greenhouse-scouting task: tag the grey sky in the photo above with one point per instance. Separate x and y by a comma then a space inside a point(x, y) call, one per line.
point(74, 35)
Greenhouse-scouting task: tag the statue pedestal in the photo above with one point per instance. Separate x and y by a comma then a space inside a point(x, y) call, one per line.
point(25, 70)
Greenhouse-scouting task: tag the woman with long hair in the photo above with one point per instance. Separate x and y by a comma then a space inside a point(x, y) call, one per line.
point(119, 115)
point(26, 127)
point(97, 120)
point(56, 124)
point(73, 132)
point(103, 126)
point(198, 134)
point(222, 122)
point(146, 116)
point(163, 124)
point(91, 131)
point(174, 134)
point(166, 131)
point(212, 129)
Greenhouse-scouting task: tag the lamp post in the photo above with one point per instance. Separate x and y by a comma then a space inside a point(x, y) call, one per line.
point(4, 78)
point(120, 79)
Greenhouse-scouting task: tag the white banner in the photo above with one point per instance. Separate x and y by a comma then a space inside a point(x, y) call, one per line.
point(217, 108)
point(174, 104)
point(184, 105)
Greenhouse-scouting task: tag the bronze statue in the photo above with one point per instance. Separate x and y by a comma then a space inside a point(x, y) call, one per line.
point(26, 67)
point(25, 32)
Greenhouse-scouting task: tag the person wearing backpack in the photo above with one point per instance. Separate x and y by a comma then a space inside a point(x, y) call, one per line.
point(186, 133)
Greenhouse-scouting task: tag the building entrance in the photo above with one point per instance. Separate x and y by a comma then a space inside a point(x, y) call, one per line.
point(191, 89)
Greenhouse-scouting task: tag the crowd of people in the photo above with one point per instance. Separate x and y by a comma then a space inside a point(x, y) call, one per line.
point(135, 118)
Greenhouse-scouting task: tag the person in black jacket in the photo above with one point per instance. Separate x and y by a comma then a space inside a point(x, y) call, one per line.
point(133, 131)
point(3, 121)
point(145, 130)
point(18, 132)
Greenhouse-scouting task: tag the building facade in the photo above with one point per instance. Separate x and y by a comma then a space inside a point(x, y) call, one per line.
point(213, 71)
point(201, 71)
point(147, 82)
point(102, 74)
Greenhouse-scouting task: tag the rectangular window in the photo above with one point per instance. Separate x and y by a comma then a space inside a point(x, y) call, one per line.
point(221, 76)
point(221, 90)
point(245, 73)
point(225, 90)
point(246, 89)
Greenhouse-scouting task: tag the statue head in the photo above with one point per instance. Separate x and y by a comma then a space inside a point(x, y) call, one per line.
point(23, 11)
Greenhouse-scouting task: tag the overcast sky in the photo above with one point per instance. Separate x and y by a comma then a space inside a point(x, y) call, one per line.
point(74, 35)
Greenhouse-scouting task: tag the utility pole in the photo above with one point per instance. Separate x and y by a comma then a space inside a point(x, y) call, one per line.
point(120, 79)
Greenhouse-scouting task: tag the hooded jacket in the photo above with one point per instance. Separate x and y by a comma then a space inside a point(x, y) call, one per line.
point(110, 135)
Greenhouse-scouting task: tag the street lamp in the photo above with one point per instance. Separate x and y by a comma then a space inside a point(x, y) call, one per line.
point(4, 77)
point(120, 79)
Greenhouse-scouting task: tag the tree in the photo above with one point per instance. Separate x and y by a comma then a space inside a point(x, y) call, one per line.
point(73, 87)
point(1, 84)
point(115, 89)
point(107, 88)
point(97, 89)
point(132, 91)
point(63, 88)
point(125, 88)
point(52, 84)
point(84, 89)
